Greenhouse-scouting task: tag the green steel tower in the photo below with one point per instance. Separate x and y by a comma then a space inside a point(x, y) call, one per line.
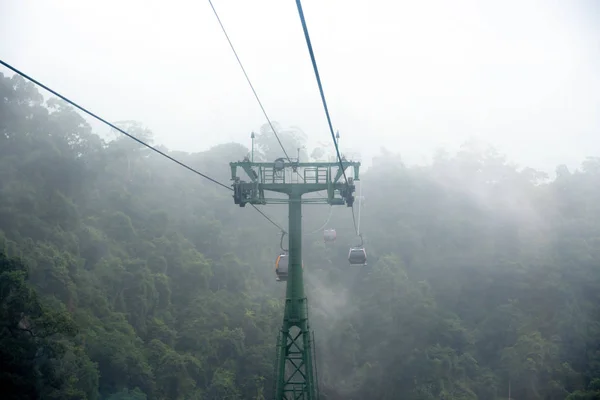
point(295, 375)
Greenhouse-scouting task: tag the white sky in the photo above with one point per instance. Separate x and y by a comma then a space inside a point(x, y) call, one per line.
point(406, 75)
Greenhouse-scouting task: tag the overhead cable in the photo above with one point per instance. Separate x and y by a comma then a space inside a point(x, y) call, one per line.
point(254, 91)
point(249, 82)
point(314, 63)
point(316, 70)
point(129, 135)
point(113, 126)
point(269, 219)
point(324, 225)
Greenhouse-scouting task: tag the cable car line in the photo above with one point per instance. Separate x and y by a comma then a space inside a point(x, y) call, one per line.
point(130, 135)
point(268, 219)
point(283, 233)
point(359, 207)
point(249, 82)
point(314, 63)
point(254, 91)
point(316, 70)
point(113, 126)
point(324, 225)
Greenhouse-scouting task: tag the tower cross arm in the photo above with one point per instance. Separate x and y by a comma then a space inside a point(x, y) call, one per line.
point(293, 177)
point(250, 167)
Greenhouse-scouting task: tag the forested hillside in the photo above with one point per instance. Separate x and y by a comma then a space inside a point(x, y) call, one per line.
point(126, 277)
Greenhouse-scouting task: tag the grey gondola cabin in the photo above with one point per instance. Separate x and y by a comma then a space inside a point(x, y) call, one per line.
point(357, 256)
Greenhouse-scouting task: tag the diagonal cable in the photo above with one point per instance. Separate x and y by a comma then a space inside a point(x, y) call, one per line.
point(129, 135)
point(254, 91)
point(316, 69)
point(269, 219)
point(113, 126)
point(249, 82)
point(314, 63)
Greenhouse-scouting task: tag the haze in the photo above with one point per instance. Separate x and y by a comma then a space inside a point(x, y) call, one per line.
point(412, 76)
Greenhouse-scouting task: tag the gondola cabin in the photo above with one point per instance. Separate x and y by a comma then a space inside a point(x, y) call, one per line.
point(357, 256)
point(329, 235)
point(282, 267)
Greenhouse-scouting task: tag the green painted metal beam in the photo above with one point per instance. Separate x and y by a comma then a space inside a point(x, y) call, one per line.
point(269, 177)
point(299, 164)
point(295, 364)
point(251, 169)
point(288, 188)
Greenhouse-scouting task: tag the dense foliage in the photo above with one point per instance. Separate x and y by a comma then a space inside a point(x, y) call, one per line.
point(127, 277)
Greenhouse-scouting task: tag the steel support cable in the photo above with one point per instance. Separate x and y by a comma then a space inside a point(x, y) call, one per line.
point(354, 221)
point(314, 63)
point(112, 125)
point(253, 90)
point(268, 219)
point(283, 233)
point(359, 206)
point(249, 82)
point(316, 69)
point(324, 225)
point(129, 135)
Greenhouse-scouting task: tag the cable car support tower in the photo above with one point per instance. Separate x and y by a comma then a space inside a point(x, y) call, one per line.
point(295, 368)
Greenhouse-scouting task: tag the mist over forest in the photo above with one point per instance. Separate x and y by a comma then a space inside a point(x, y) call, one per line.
point(126, 277)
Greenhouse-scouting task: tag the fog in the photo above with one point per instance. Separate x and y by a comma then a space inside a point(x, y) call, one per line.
point(414, 76)
point(481, 279)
